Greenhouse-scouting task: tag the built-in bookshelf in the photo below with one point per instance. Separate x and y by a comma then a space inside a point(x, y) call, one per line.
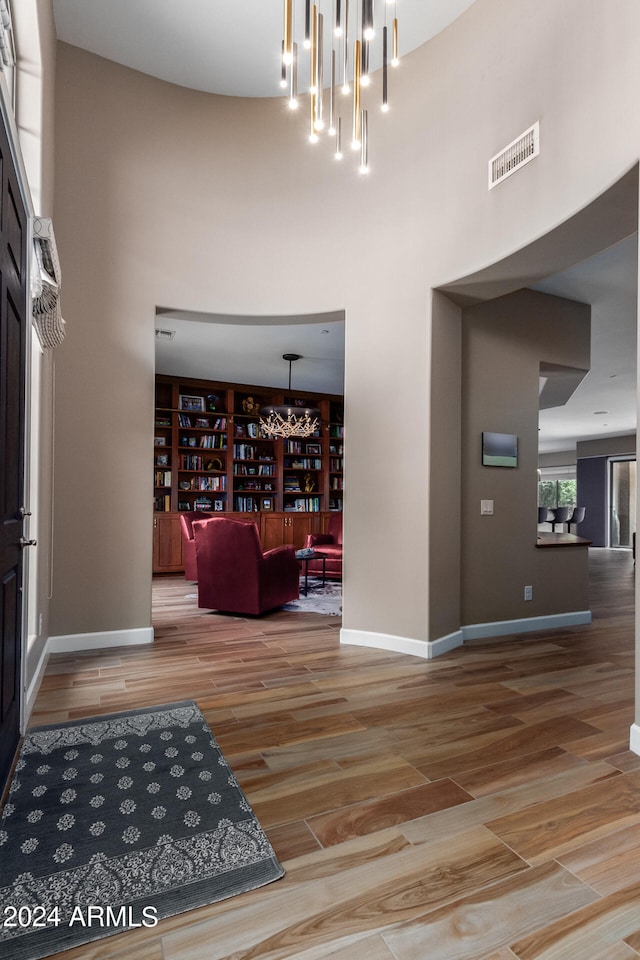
point(255, 458)
point(336, 455)
point(210, 454)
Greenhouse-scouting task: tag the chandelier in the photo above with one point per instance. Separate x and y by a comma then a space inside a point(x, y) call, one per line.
point(352, 38)
point(289, 421)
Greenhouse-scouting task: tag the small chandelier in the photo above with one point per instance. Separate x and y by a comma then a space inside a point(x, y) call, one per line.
point(285, 421)
point(351, 40)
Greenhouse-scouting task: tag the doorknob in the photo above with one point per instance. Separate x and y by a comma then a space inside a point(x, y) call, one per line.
point(23, 512)
point(22, 543)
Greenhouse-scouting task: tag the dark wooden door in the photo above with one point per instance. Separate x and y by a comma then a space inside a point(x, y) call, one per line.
point(13, 334)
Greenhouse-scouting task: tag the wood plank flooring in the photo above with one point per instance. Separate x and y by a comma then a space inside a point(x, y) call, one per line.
point(481, 806)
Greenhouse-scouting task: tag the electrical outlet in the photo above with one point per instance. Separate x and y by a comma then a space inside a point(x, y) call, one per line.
point(528, 593)
point(486, 508)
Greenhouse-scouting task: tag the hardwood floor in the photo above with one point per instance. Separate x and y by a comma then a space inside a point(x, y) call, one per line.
point(481, 805)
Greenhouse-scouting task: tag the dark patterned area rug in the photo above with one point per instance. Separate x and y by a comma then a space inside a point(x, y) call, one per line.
point(117, 821)
point(326, 600)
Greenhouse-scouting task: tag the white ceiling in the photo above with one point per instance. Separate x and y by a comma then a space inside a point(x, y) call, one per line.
point(250, 349)
point(232, 47)
point(604, 404)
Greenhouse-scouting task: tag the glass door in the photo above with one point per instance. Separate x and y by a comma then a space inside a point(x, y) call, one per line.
point(622, 502)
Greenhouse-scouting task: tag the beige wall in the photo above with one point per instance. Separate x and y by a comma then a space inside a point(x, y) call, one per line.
point(503, 343)
point(560, 458)
point(607, 447)
point(170, 197)
point(445, 468)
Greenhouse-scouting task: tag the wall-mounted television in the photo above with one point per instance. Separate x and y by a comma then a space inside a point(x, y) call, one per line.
point(499, 450)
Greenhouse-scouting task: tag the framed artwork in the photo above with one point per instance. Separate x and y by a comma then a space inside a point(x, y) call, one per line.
point(191, 403)
point(499, 450)
point(314, 449)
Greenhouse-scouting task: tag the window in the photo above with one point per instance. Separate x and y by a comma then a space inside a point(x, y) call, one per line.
point(557, 487)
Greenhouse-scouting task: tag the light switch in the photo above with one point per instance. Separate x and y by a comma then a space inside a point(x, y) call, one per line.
point(486, 508)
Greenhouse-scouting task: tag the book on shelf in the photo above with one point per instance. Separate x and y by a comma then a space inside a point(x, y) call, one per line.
point(213, 441)
point(218, 482)
point(245, 451)
point(190, 462)
point(302, 463)
point(163, 478)
point(303, 505)
point(246, 504)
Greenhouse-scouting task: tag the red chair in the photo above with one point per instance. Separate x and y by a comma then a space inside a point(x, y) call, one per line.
point(235, 576)
point(330, 544)
point(188, 543)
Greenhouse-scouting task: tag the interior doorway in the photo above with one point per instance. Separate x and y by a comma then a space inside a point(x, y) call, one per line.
point(231, 354)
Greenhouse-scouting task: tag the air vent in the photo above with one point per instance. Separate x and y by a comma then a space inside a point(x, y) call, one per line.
point(165, 334)
point(520, 151)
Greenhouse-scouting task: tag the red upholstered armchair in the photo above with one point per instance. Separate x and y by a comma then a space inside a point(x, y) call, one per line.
point(329, 543)
point(188, 543)
point(235, 576)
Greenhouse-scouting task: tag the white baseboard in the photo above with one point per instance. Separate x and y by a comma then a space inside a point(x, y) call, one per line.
point(634, 738)
point(428, 649)
point(34, 686)
point(96, 641)
point(499, 628)
point(425, 649)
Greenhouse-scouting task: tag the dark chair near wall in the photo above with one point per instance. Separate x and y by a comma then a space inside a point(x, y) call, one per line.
point(235, 576)
point(576, 517)
point(188, 543)
point(560, 516)
point(545, 515)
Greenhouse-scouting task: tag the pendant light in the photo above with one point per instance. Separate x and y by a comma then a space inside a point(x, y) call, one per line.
point(347, 40)
point(281, 420)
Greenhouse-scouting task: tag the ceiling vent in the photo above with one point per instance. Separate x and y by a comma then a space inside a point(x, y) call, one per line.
point(520, 151)
point(165, 334)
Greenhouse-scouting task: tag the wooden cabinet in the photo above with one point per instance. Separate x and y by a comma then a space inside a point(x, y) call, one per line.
point(288, 528)
point(275, 529)
point(167, 543)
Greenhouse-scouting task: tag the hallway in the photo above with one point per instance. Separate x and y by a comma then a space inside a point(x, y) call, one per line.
point(481, 805)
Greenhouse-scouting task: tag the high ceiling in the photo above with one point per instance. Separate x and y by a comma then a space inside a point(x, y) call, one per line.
point(232, 48)
point(604, 404)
